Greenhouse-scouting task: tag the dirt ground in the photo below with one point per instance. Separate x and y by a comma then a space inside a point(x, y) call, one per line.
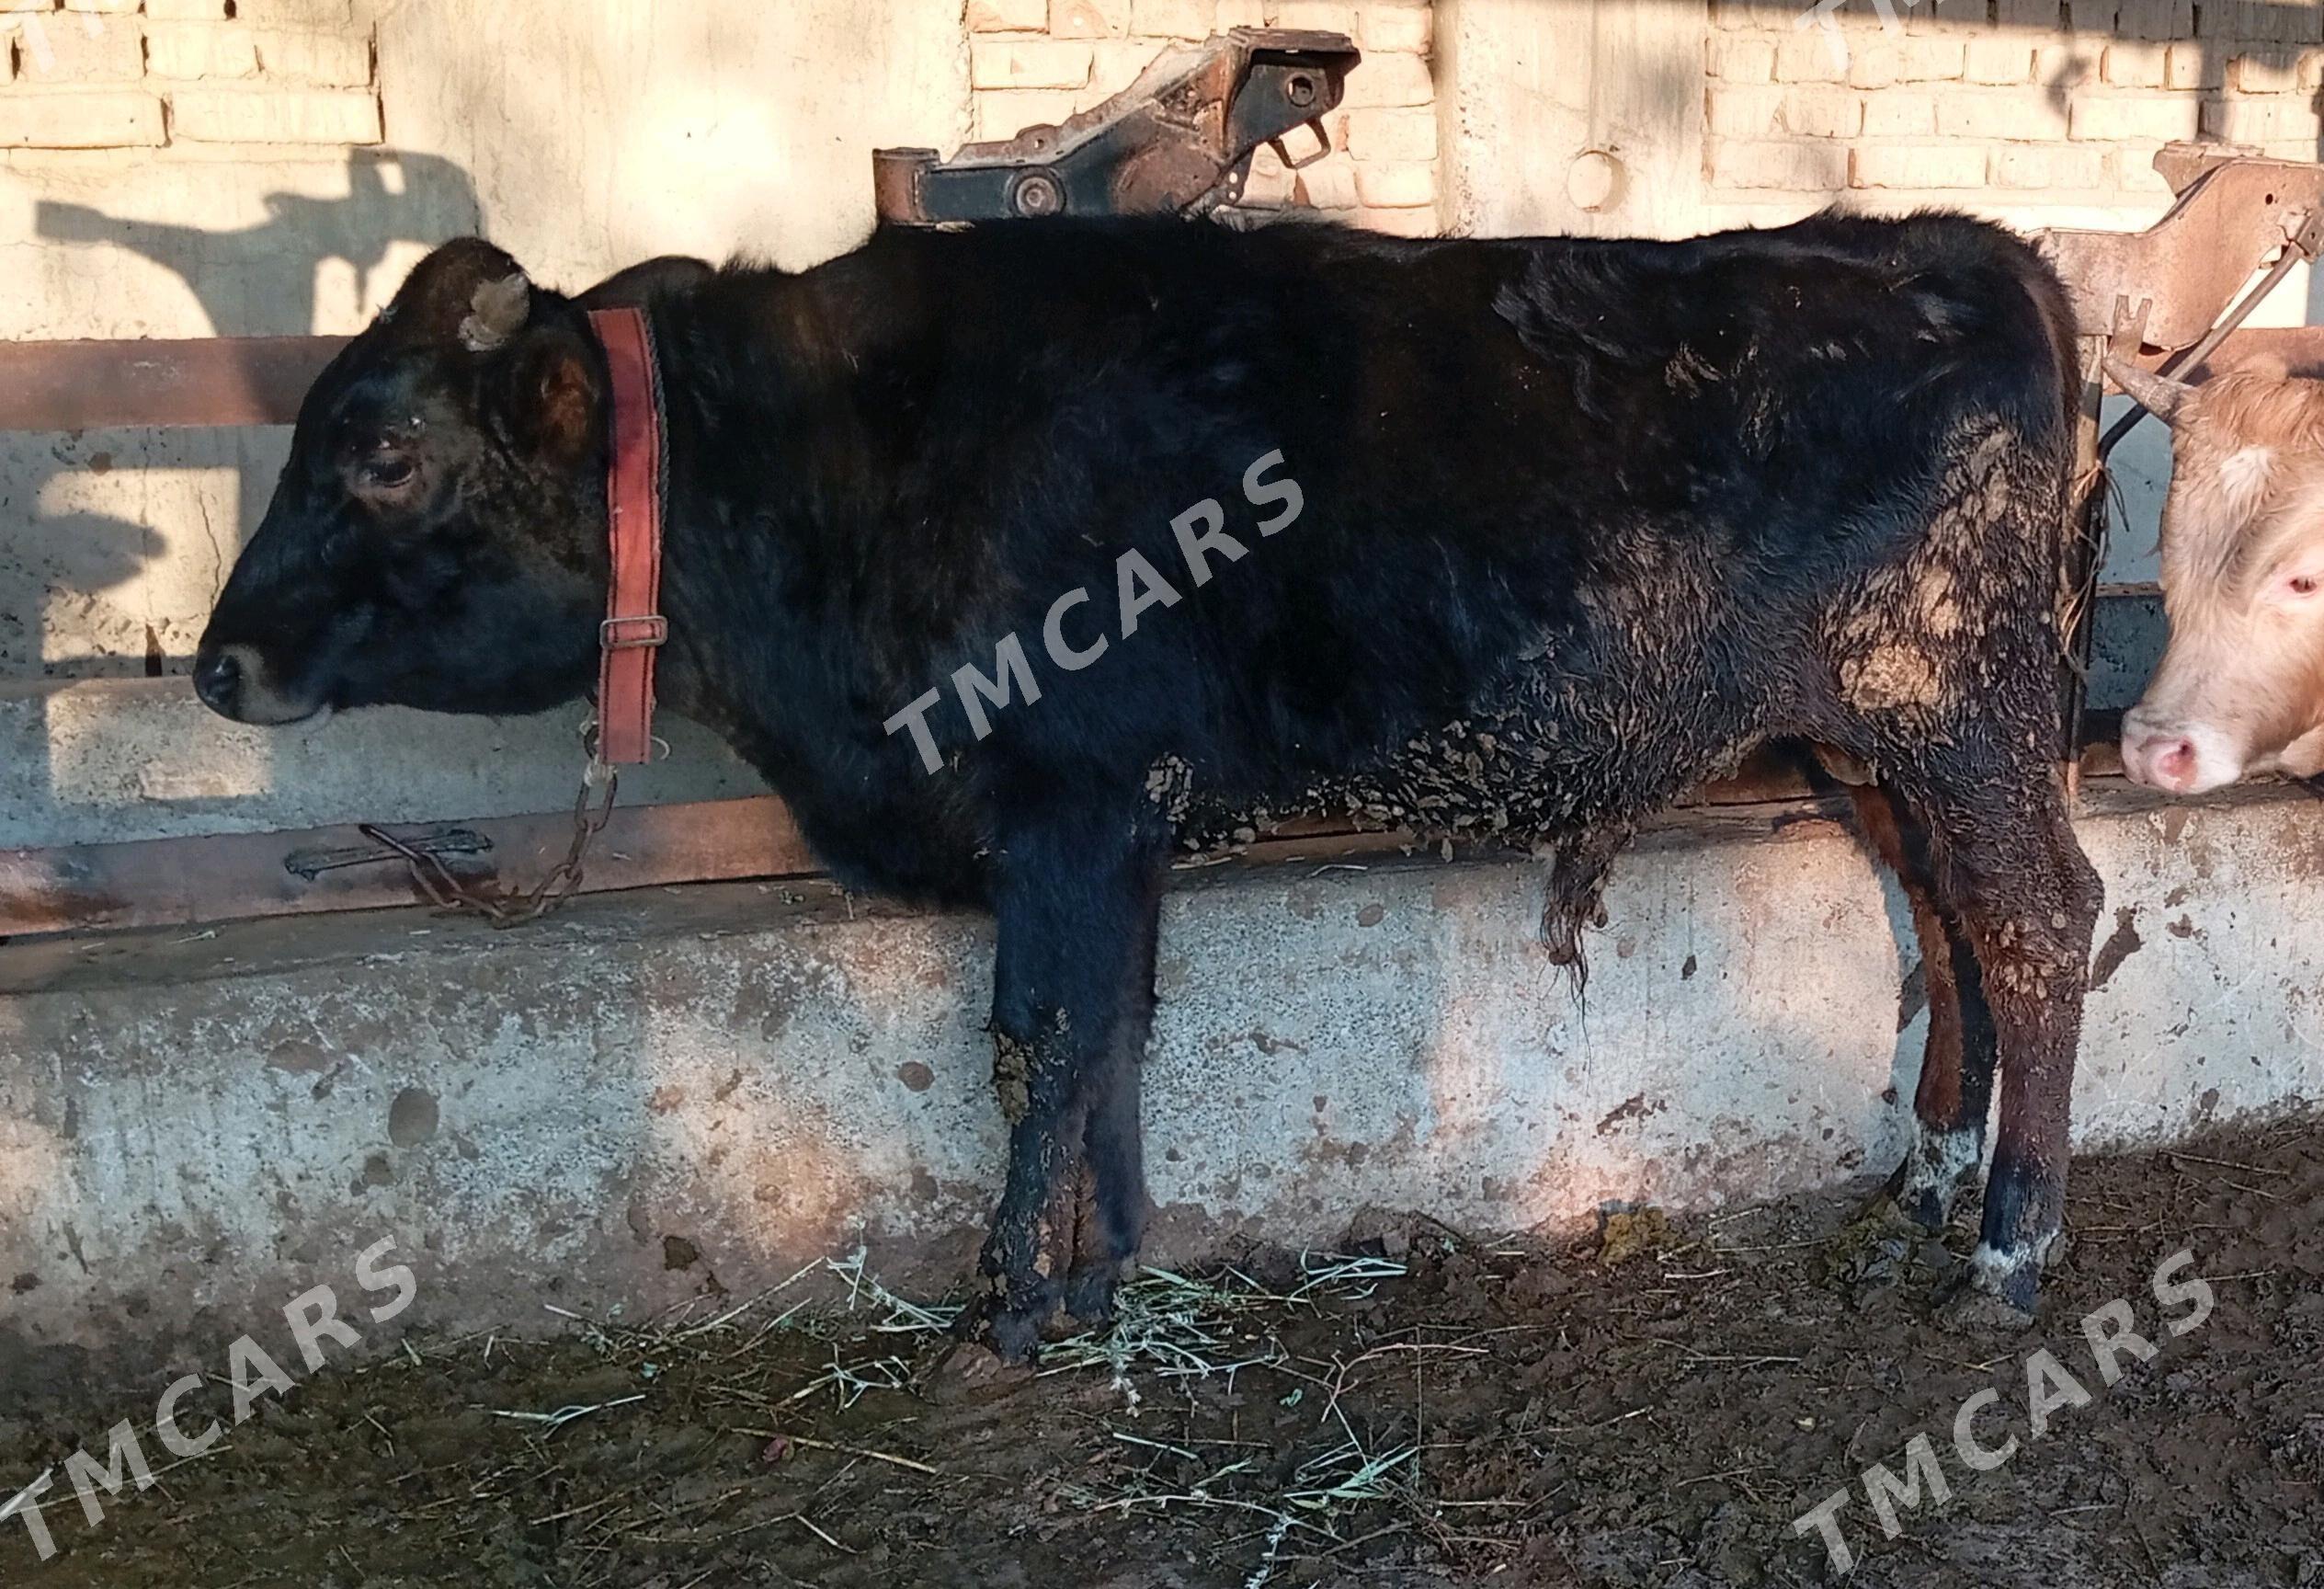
point(1651, 1405)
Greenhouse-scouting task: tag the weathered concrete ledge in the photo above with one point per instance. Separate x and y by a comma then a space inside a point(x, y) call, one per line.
point(97, 761)
point(659, 1093)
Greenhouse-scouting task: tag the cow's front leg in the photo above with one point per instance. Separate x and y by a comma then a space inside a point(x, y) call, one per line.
point(1072, 992)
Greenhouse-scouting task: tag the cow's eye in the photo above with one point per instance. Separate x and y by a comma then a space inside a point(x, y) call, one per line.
point(2303, 584)
point(388, 471)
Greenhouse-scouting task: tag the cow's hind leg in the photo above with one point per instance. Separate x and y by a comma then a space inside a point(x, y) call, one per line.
point(1075, 900)
point(1955, 1093)
point(2008, 863)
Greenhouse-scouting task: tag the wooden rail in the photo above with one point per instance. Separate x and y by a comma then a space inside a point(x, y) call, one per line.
point(224, 381)
point(188, 881)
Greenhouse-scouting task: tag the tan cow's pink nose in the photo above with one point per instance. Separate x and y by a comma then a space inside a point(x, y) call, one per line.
point(2165, 760)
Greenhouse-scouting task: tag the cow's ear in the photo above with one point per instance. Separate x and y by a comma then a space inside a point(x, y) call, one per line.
point(467, 292)
point(2159, 394)
point(552, 396)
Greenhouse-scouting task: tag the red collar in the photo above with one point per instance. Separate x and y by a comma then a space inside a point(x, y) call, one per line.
point(633, 627)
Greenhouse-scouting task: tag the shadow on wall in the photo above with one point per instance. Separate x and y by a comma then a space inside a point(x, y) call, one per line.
point(61, 558)
point(262, 280)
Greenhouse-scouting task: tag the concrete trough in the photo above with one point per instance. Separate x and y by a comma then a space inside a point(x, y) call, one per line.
point(661, 1094)
point(91, 762)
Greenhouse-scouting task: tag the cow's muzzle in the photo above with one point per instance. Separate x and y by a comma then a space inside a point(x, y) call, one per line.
point(234, 681)
point(2177, 758)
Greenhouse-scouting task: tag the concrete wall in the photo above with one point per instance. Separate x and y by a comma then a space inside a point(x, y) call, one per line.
point(619, 1107)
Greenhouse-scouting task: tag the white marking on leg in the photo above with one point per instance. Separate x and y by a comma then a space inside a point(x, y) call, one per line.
point(1941, 1162)
point(1990, 1267)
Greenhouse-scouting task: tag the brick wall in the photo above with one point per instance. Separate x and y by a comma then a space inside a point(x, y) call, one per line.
point(158, 74)
point(1034, 60)
point(2017, 102)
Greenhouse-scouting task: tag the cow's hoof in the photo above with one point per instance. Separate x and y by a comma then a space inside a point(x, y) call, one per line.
point(1870, 1254)
point(1015, 1333)
point(1011, 1329)
point(1994, 1297)
point(1927, 1209)
point(1089, 1292)
point(970, 1372)
point(1969, 1311)
point(1940, 1165)
point(1886, 1210)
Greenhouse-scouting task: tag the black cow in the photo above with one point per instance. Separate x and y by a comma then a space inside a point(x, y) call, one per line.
point(1525, 538)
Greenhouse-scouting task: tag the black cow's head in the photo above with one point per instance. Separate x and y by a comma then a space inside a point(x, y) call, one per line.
point(437, 539)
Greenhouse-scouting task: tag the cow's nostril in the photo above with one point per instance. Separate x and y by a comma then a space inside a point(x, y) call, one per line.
point(2171, 762)
point(217, 680)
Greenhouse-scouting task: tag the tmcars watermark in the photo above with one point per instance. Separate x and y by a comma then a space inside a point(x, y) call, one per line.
point(39, 52)
point(1138, 585)
point(1825, 14)
point(2112, 1335)
point(251, 1371)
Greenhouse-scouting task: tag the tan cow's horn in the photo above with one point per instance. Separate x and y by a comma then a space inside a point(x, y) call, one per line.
point(2159, 394)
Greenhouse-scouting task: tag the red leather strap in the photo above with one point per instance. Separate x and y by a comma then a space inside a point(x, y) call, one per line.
point(633, 626)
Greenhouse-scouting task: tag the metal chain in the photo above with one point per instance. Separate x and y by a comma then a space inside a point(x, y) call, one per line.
point(505, 908)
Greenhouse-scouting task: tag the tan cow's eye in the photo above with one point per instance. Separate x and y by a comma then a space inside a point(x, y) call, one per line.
point(2303, 585)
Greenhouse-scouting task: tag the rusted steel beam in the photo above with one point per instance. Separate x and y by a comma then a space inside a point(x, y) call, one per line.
point(2296, 350)
point(187, 882)
point(221, 381)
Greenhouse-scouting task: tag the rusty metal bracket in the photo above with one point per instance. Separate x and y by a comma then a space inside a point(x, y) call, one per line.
point(2232, 216)
point(2301, 247)
point(1179, 140)
point(309, 865)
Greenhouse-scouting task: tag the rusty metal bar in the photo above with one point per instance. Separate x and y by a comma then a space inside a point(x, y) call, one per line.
point(2300, 249)
point(225, 381)
point(2297, 350)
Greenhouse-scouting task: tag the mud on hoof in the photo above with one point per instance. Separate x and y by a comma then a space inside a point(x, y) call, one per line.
point(1884, 1210)
point(1010, 1320)
point(1873, 1254)
point(1995, 1292)
point(1089, 1292)
point(1940, 1165)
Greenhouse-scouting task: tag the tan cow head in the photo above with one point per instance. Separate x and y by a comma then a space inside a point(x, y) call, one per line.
point(2240, 689)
